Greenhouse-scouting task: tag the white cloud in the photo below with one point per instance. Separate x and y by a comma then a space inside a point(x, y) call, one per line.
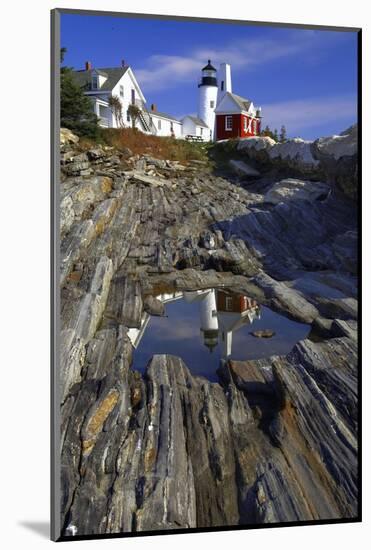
point(167, 70)
point(164, 71)
point(301, 114)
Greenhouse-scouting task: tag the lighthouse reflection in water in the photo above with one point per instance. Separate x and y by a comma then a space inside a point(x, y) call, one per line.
point(204, 327)
point(221, 313)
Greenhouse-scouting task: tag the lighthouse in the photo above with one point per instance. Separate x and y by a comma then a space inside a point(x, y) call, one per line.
point(207, 96)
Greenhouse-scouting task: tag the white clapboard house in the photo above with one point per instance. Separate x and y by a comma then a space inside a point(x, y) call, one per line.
point(102, 83)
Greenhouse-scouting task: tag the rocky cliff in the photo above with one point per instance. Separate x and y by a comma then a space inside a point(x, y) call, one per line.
point(276, 439)
point(332, 159)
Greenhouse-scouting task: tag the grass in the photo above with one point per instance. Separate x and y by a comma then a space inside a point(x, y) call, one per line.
point(158, 147)
point(166, 148)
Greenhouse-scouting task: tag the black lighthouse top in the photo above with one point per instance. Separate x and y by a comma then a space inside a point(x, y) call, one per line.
point(208, 75)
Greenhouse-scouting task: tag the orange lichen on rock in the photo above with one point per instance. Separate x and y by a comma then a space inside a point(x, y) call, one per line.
point(106, 184)
point(95, 423)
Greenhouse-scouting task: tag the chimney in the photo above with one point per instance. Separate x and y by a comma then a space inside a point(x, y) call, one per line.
point(225, 80)
point(123, 64)
point(154, 107)
point(87, 65)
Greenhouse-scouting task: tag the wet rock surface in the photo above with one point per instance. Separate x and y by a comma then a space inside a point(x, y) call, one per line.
point(276, 439)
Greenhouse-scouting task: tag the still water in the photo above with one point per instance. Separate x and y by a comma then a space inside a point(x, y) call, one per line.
point(206, 326)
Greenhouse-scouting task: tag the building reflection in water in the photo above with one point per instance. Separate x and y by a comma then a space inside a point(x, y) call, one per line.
point(221, 313)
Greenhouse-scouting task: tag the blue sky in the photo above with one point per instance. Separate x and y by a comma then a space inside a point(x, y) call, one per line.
point(305, 79)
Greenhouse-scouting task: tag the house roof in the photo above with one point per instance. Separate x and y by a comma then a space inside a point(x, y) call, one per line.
point(100, 72)
point(242, 103)
point(163, 115)
point(113, 75)
point(197, 121)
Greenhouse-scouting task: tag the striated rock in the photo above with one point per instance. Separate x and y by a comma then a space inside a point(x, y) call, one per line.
point(255, 144)
point(275, 439)
point(77, 240)
point(147, 180)
point(337, 147)
point(254, 377)
point(345, 249)
point(331, 159)
point(153, 306)
point(294, 189)
point(338, 158)
point(286, 299)
point(211, 240)
point(310, 468)
point(77, 164)
point(296, 154)
point(88, 317)
point(96, 154)
point(243, 169)
point(273, 445)
point(67, 137)
point(67, 214)
point(124, 304)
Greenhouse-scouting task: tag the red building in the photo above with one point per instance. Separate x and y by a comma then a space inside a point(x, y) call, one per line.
point(235, 303)
point(236, 117)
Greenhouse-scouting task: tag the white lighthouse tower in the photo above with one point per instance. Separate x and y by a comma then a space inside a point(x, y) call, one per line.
point(207, 95)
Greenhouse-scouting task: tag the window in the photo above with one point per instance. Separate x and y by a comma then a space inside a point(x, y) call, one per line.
point(228, 303)
point(121, 91)
point(201, 131)
point(245, 123)
point(228, 122)
point(159, 124)
point(222, 85)
point(133, 96)
point(212, 104)
point(94, 82)
point(171, 127)
point(127, 116)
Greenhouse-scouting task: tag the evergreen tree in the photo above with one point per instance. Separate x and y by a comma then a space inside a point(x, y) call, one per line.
point(283, 134)
point(275, 134)
point(266, 132)
point(76, 108)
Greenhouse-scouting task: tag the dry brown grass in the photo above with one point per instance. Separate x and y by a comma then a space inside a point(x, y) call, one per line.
point(158, 147)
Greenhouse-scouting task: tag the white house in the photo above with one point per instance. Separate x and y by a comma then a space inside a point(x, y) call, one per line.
point(102, 83)
point(166, 125)
point(195, 127)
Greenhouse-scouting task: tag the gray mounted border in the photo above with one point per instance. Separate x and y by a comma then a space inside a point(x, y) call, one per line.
point(54, 287)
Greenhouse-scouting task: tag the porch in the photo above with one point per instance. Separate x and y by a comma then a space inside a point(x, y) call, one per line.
point(103, 112)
